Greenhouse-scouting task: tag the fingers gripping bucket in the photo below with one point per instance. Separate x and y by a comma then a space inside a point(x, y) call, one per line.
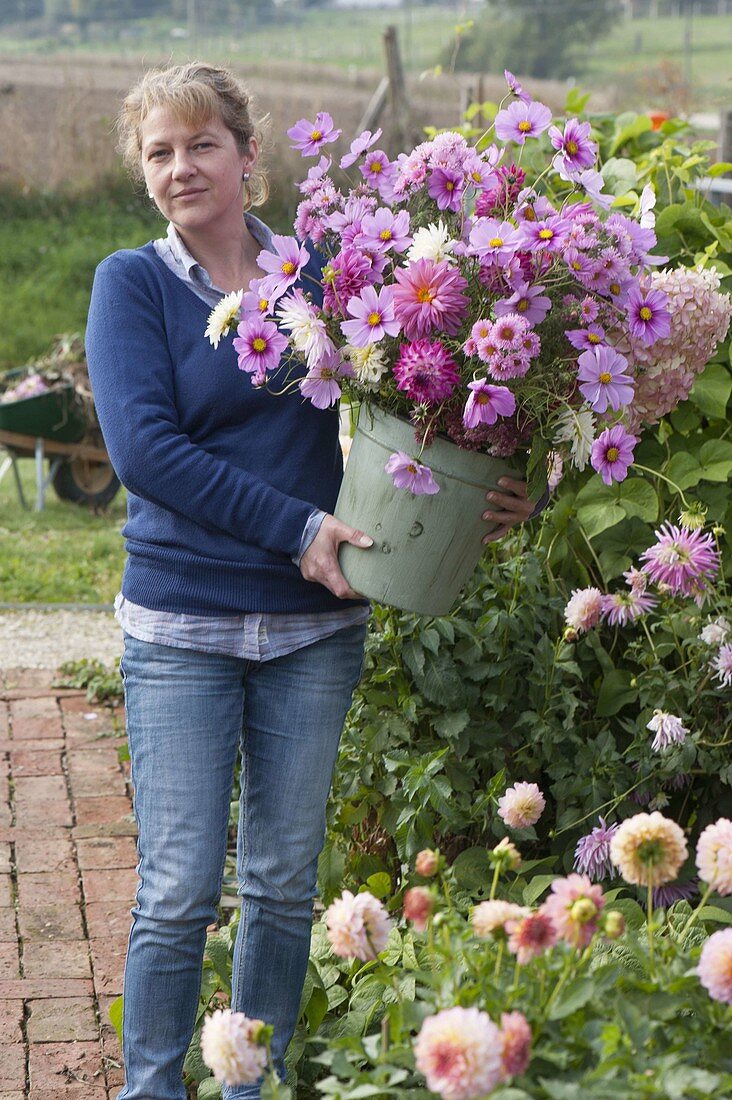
point(425, 547)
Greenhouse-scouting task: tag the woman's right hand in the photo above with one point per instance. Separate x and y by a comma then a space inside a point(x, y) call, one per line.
point(319, 563)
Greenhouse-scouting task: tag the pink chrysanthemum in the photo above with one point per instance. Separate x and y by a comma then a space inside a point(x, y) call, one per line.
point(426, 371)
point(459, 1052)
point(714, 856)
point(358, 926)
point(574, 907)
point(515, 1043)
point(418, 906)
point(584, 609)
point(489, 917)
point(722, 665)
point(531, 936)
point(521, 805)
point(428, 296)
point(230, 1047)
point(592, 854)
point(681, 559)
point(715, 966)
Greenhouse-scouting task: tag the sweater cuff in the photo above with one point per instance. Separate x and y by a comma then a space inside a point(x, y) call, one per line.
point(315, 519)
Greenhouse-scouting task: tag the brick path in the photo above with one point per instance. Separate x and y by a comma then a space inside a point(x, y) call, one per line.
point(67, 881)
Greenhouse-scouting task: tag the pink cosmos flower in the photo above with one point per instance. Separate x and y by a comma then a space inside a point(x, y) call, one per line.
point(459, 1053)
point(320, 385)
point(681, 559)
point(259, 344)
point(515, 1043)
point(715, 966)
point(531, 936)
point(583, 609)
point(528, 301)
point(230, 1047)
point(548, 234)
point(309, 137)
point(521, 805)
point(585, 339)
point(407, 473)
point(592, 854)
point(603, 381)
point(621, 608)
point(418, 906)
point(359, 145)
point(722, 665)
point(574, 145)
point(373, 315)
point(520, 121)
point(612, 453)
point(429, 295)
point(648, 318)
point(285, 264)
point(377, 167)
point(486, 403)
point(446, 186)
point(515, 87)
point(358, 926)
point(384, 230)
point(574, 907)
point(714, 856)
point(588, 179)
point(490, 238)
point(426, 371)
point(668, 729)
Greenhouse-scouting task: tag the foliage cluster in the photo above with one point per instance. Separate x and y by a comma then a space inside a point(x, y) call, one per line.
point(103, 683)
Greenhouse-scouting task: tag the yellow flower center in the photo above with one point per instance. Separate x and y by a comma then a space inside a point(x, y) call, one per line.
point(316, 135)
point(645, 313)
point(385, 235)
point(605, 378)
point(576, 265)
point(613, 454)
point(373, 318)
point(262, 305)
point(495, 242)
point(524, 125)
point(449, 185)
point(546, 234)
point(615, 288)
point(593, 338)
point(376, 166)
point(571, 147)
point(482, 398)
point(523, 305)
point(259, 344)
point(425, 295)
point(412, 468)
point(288, 267)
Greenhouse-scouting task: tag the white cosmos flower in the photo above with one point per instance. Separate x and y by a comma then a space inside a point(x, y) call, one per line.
point(432, 242)
point(307, 330)
point(577, 427)
point(223, 315)
point(368, 364)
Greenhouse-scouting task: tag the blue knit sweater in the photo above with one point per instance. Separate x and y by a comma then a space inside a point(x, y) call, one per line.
point(221, 477)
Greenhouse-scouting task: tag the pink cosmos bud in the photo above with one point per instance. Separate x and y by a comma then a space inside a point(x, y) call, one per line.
point(427, 862)
point(614, 924)
point(418, 905)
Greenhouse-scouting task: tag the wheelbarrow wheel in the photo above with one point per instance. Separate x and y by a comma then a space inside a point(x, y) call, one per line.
point(85, 482)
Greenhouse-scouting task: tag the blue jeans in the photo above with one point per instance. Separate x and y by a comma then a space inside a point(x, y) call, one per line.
point(188, 714)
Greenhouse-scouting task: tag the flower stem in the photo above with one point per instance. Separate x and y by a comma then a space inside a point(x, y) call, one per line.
point(649, 922)
point(494, 884)
point(697, 911)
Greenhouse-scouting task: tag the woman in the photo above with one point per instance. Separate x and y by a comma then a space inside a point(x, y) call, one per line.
point(241, 633)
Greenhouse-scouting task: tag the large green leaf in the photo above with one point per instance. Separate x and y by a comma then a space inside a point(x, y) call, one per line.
point(637, 498)
point(716, 460)
point(683, 470)
point(711, 391)
point(571, 998)
point(615, 692)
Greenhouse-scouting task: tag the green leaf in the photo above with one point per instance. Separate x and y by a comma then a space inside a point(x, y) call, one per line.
point(316, 1008)
point(620, 175)
point(571, 998)
point(628, 125)
point(714, 913)
point(115, 1015)
point(536, 887)
point(719, 169)
point(637, 498)
point(596, 518)
point(576, 101)
point(683, 469)
point(218, 952)
point(716, 460)
point(711, 391)
point(379, 884)
point(209, 1089)
point(472, 868)
point(615, 693)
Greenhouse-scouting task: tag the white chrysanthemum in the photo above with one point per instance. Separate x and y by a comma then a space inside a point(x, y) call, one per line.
point(223, 316)
point(229, 1047)
point(368, 364)
point(308, 333)
point(583, 609)
point(716, 632)
point(358, 926)
point(668, 728)
point(432, 242)
point(459, 1052)
point(577, 427)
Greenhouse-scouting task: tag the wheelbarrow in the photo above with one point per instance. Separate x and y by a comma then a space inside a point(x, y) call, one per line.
point(54, 425)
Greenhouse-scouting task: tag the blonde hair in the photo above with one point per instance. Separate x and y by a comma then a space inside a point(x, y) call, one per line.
point(195, 92)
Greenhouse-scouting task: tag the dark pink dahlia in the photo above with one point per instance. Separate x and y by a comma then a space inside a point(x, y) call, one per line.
point(344, 278)
point(426, 371)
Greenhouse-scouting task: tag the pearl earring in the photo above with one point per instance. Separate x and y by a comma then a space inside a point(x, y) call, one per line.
point(245, 176)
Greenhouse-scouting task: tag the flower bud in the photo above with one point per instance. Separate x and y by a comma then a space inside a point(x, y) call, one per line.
point(614, 924)
point(505, 855)
point(583, 910)
point(427, 862)
point(570, 635)
point(418, 905)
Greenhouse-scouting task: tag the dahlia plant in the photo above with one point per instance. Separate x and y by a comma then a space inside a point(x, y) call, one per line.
point(508, 311)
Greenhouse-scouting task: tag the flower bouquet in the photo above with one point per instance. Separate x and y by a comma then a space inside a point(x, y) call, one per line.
point(481, 320)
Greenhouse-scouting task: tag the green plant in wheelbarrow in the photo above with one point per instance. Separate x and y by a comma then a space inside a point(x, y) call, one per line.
point(479, 305)
point(47, 411)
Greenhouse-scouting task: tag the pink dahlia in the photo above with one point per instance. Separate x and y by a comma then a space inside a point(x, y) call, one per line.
point(489, 918)
point(722, 665)
point(612, 454)
point(418, 906)
point(574, 907)
point(344, 278)
point(427, 862)
point(515, 1043)
point(429, 296)
point(459, 1052)
point(531, 936)
point(358, 926)
point(231, 1046)
point(715, 966)
point(521, 806)
point(714, 856)
point(426, 372)
point(681, 559)
point(584, 609)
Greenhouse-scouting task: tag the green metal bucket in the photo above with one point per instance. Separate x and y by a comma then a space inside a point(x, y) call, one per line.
point(425, 547)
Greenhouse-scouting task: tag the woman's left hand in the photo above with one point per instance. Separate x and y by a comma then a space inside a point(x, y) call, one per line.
point(508, 508)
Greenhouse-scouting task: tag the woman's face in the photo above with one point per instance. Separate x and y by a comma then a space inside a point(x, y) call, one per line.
point(193, 172)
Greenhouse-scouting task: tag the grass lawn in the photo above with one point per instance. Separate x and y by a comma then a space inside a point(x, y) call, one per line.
point(64, 554)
